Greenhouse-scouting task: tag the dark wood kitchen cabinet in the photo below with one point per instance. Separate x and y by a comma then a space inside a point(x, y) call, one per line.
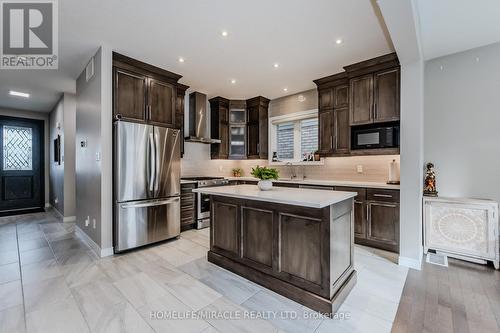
point(129, 95)
point(376, 217)
point(333, 116)
point(361, 100)
point(179, 112)
point(387, 95)
point(145, 93)
point(257, 128)
point(325, 132)
point(219, 127)
point(374, 90)
point(161, 103)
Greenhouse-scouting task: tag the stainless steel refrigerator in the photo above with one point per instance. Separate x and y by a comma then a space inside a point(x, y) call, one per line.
point(146, 184)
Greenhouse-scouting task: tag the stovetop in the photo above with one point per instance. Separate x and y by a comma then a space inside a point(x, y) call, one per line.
point(207, 181)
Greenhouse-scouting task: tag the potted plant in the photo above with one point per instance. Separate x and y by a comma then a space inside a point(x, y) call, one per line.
point(237, 172)
point(266, 176)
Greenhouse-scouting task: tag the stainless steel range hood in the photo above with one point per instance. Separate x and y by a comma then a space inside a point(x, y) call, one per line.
point(199, 122)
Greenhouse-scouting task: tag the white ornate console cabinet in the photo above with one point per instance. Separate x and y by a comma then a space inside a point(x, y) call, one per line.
point(462, 228)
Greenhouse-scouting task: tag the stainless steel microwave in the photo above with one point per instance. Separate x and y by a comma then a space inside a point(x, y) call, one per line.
point(375, 137)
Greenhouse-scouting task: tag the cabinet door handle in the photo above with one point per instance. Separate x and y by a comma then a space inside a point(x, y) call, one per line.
point(336, 143)
point(375, 111)
point(382, 195)
point(331, 141)
point(149, 112)
point(368, 212)
point(258, 148)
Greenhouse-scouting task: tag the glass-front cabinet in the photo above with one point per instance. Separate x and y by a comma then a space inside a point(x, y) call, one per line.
point(237, 129)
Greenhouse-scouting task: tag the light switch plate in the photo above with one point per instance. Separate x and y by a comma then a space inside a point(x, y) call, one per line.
point(359, 168)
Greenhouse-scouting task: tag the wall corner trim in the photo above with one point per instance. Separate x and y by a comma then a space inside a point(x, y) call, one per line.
point(93, 245)
point(411, 262)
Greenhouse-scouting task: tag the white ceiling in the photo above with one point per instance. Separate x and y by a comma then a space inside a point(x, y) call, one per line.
point(298, 34)
point(450, 26)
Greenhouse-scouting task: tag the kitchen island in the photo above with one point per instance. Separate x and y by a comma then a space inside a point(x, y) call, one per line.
point(296, 242)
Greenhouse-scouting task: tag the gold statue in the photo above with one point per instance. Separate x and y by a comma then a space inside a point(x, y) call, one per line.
point(430, 181)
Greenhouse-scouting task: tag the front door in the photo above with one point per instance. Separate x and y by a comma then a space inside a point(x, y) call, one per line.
point(21, 165)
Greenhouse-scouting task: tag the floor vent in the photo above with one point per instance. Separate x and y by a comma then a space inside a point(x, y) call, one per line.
point(437, 259)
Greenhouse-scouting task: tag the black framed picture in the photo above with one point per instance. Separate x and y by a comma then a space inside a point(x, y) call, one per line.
point(57, 150)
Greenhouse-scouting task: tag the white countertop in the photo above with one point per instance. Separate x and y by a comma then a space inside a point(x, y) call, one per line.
point(282, 195)
point(327, 183)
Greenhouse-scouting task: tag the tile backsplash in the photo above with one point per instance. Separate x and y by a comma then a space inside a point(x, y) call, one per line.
point(197, 162)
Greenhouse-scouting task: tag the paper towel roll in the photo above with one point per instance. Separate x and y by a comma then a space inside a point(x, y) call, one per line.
point(393, 172)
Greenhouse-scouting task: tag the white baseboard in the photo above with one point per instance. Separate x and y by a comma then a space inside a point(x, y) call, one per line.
point(69, 219)
point(93, 245)
point(411, 262)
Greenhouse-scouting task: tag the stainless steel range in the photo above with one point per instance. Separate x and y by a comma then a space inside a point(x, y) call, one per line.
point(203, 200)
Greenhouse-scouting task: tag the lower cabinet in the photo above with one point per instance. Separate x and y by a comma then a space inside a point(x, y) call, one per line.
point(383, 225)
point(376, 217)
point(359, 219)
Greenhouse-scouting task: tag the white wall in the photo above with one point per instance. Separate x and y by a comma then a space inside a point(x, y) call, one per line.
point(40, 116)
point(462, 122)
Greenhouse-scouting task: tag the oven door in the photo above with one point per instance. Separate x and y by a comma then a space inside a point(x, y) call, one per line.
point(203, 203)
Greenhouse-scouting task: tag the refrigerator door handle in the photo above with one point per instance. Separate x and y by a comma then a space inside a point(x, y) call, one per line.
point(150, 204)
point(152, 158)
point(157, 162)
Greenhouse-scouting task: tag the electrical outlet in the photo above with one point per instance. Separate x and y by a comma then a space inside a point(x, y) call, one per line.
point(221, 168)
point(87, 221)
point(93, 223)
point(98, 156)
point(56, 200)
point(359, 168)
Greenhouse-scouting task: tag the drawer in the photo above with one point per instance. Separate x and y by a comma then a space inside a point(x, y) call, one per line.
point(360, 191)
point(382, 195)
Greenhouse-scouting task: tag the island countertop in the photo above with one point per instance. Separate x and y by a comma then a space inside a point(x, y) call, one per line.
point(289, 196)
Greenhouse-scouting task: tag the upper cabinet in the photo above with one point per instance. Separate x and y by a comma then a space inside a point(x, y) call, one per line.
point(129, 95)
point(333, 115)
point(361, 101)
point(374, 90)
point(241, 126)
point(387, 95)
point(219, 127)
point(365, 93)
point(148, 94)
point(257, 139)
point(161, 102)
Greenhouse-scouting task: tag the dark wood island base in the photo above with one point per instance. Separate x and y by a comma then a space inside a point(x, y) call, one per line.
point(305, 254)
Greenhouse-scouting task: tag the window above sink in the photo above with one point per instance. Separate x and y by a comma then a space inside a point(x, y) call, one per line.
point(294, 138)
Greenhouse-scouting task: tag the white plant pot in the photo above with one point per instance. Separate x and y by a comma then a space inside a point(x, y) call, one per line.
point(265, 185)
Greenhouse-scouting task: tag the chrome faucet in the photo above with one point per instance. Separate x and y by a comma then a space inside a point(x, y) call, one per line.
point(292, 170)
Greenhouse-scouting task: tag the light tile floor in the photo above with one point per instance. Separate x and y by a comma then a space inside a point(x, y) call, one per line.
point(50, 281)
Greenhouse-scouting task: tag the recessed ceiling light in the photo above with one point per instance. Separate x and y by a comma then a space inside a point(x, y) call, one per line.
point(338, 41)
point(233, 81)
point(276, 65)
point(285, 89)
point(224, 33)
point(20, 94)
point(181, 59)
